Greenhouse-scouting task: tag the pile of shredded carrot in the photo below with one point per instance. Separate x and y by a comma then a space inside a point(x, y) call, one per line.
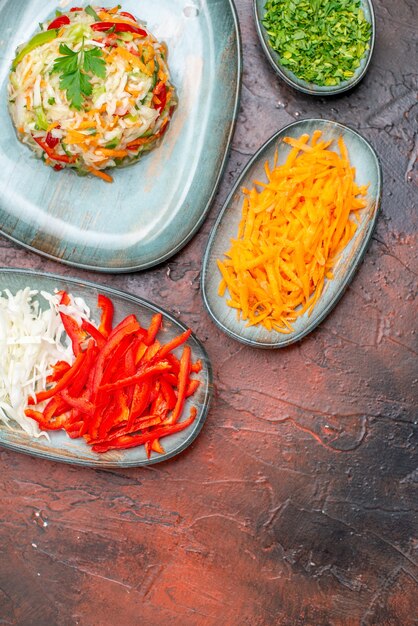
point(292, 230)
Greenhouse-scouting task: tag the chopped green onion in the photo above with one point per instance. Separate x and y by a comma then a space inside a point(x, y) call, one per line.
point(320, 41)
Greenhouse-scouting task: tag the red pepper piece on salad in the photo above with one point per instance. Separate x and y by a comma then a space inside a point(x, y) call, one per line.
point(62, 20)
point(128, 15)
point(118, 27)
point(51, 141)
point(63, 158)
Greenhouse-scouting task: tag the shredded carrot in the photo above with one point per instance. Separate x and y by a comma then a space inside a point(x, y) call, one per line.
point(119, 154)
point(73, 136)
point(101, 175)
point(131, 58)
point(291, 232)
point(109, 16)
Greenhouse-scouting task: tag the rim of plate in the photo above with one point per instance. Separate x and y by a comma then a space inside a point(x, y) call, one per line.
point(154, 307)
point(208, 205)
point(310, 88)
point(294, 337)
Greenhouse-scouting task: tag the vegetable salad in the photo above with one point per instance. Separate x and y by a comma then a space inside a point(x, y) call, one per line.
point(91, 91)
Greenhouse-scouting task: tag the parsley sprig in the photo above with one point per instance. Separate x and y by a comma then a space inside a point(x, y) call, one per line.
point(76, 69)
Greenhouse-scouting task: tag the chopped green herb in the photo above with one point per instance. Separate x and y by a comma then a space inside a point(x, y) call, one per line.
point(75, 69)
point(320, 41)
point(51, 101)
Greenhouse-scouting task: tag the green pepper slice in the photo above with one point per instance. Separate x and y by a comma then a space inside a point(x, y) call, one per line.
point(38, 40)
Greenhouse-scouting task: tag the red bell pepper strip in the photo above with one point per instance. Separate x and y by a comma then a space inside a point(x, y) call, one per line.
point(192, 387)
point(76, 9)
point(61, 384)
point(153, 329)
point(113, 362)
point(106, 321)
point(125, 429)
point(182, 387)
point(65, 298)
point(59, 21)
point(63, 158)
point(125, 322)
point(125, 441)
point(118, 414)
point(45, 424)
point(147, 446)
point(94, 333)
point(37, 416)
point(77, 386)
point(169, 394)
point(129, 15)
point(123, 331)
point(58, 371)
point(75, 333)
point(160, 93)
point(175, 363)
point(119, 28)
point(56, 413)
point(75, 430)
point(174, 343)
point(140, 400)
point(55, 407)
point(82, 404)
point(140, 351)
point(130, 370)
point(196, 367)
point(157, 447)
point(162, 366)
point(151, 352)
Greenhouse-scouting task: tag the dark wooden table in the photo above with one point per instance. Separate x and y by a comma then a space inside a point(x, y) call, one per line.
point(295, 506)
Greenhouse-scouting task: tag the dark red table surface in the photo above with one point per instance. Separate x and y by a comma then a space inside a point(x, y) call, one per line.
point(297, 503)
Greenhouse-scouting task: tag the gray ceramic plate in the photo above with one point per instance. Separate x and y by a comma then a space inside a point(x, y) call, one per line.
point(155, 206)
point(364, 159)
point(301, 85)
point(61, 447)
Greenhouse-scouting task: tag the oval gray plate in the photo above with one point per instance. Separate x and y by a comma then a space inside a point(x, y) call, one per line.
point(302, 85)
point(365, 160)
point(76, 451)
point(154, 207)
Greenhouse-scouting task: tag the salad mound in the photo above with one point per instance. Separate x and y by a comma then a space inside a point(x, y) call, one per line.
point(91, 91)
